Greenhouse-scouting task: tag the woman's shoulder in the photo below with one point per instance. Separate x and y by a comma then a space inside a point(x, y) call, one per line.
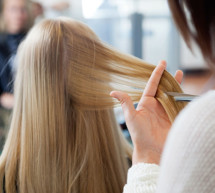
point(205, 98)
point(187, 156)
point(194, 126)
point(201, 105)
point(198, 113)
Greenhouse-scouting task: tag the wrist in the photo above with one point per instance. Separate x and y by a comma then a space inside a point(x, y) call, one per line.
point(147, 156)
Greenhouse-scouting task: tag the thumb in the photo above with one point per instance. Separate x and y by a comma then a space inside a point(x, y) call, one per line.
point(126, 103)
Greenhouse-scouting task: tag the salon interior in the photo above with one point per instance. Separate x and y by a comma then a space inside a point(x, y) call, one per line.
point(143, 28)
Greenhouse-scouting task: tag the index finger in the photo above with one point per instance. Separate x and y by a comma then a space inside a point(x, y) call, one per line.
point(152, 85)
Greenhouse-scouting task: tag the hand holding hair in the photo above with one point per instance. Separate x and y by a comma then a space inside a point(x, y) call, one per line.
point(148, 124)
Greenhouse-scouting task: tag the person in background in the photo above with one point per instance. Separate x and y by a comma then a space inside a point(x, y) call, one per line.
point(37, 11)
point(188, 162)
point(55, 8)
point(15, 21)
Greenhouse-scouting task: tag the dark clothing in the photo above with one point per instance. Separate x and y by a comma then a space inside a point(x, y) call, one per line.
point(8, 48)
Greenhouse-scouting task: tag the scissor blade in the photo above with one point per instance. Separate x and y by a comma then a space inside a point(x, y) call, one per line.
point(182, 96)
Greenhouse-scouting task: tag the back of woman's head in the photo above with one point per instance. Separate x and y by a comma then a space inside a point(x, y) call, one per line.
point(68, 52)
point(56, 143)
point(196, 21)
point(63, 135)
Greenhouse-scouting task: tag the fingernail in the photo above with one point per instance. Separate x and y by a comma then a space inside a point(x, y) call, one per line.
point(163, 63)
point(112, 94)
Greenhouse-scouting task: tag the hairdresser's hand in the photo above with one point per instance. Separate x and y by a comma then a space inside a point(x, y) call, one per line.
point(7, 100)
point(148, 124)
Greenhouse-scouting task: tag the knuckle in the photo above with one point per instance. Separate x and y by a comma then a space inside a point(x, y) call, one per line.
point(124, 99)
point(158, 73)
point(153, 83)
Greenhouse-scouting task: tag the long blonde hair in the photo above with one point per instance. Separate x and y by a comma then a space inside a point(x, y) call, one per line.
point(64, 136)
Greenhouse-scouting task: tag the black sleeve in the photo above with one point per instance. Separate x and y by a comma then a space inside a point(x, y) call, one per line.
point(4, 185)
point(5, 72)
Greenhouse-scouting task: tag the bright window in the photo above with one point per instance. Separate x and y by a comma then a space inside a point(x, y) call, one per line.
point(90, 7)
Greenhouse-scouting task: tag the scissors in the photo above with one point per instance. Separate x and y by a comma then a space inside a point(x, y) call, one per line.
point(182, 96)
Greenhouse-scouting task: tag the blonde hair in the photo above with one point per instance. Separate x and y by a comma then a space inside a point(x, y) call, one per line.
point(29, 9)
point(64, 136)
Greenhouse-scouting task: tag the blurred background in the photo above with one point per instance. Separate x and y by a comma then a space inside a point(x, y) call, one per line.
point(143, 28)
